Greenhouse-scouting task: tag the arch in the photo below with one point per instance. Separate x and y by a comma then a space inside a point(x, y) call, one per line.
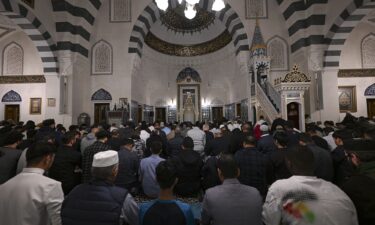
point(188, 72)
point(101, 95)
point(368, 51)
point(151, 15)
point(370, 91)
point(13, 59)
point(277, 49)
point(102, 58)
point(342, 28)
point(11, 96)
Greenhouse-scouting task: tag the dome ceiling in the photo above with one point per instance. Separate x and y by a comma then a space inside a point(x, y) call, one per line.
point(175, 20)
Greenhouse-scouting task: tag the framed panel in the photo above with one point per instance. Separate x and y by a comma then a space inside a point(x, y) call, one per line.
point(256, 9)
point(347, 99)
point(35, 106)
point(120, 11)
point(51, 102)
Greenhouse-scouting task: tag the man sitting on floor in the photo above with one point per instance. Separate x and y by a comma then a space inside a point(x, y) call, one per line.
point(166, 210)
point(306, 199)
point(231, 202)
point(100, 201)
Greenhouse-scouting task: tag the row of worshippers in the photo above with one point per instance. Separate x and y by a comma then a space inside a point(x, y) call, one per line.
point(32, 198)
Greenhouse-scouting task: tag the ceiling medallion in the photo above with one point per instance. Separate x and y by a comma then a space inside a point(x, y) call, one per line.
point(174, 19)
point(188, 51)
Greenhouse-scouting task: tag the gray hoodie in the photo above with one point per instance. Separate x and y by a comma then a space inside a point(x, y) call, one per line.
point(87, 141)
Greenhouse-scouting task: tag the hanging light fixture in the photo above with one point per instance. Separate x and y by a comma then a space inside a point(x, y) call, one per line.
point(192, 2)
point(218, 5)
point(162, 4)
point(190, 11)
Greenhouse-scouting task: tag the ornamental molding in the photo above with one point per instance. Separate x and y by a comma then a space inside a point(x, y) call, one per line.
point(302, 86)
point(346, 73)
point(29, 79)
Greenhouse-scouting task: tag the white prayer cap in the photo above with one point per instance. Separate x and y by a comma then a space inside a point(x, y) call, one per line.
point(151, 128)
point(231, 127)
point(105, 159)
point(264, 128)
point(222, 126)
point(216, 131)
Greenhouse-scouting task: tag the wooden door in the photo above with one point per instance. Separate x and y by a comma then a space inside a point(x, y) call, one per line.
point(100, 113)
point(217, 114)
point(293, 113)
point(371, 108)
point(12, 112)
point(140, 113)
point(161, 114)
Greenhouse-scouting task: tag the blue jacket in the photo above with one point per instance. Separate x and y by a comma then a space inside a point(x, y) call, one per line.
point(97, 202)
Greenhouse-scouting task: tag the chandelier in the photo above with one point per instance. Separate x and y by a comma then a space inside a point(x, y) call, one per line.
point(190, 10)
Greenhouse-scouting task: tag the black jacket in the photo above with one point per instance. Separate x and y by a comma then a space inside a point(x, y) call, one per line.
point(174, 145)
point(217, 146)
point(266, 145)
point(188, 164)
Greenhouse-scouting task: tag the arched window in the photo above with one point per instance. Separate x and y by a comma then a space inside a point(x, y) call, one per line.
point(368, 51)
point(102, 58)
point(13, 59)
point(101, 95)
point(277, 50)
point(11, 96)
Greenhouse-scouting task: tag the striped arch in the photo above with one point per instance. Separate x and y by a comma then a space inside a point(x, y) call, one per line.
point(75, 24)
point(33, 27)
point(341, 29)
point(151, 15)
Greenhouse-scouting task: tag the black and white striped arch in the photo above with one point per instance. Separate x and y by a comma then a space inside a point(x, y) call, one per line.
point(32, 26)
point(341, 29)
point(151, 14)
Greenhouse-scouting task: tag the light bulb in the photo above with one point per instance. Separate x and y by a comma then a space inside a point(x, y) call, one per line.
point(162, 4)
point(192, 2)
point(218, 5)
point(190, 12)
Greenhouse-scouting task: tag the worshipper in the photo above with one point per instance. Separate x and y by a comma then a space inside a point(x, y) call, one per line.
point(276, 165)
point(100, 145)
point(252, 165)
point(166, 210)
point(257, 131)
point(279, 121)
point(370, 133)
point(247, 129)
point(343, 168)
point(330, 140)
point(292, 134)
point(30, 198)
point(165, 129)
point(207, 132)
point(266, 143)
point(318, 140)
point(48, 127)
point(67, 164)
point(218, 145)
point(361, 186)
point(145, 131)
point(306, 199)
point(236, 140)
point(115, 140)
point(128, 130)
point(22, 163)
point(175, 144)
point(90, 138)
point(30, 139)
point(128, 167)
point(188, 164)
point(147, 169)
point(155, 137)
point(9, 155)
point(231, 202)
point(139, 145)
point(199, 138)
point(323, 166)
point(100, 202)
point(210, 177)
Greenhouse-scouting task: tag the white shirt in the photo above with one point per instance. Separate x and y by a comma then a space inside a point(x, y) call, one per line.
point(302, 200)
point(330, 141)
point(31, 199)
point(199, 138)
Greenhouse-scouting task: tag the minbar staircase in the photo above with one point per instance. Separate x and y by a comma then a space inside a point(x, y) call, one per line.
point(269, 99)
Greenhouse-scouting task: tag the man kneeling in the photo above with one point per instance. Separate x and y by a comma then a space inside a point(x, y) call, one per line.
point(99, 201)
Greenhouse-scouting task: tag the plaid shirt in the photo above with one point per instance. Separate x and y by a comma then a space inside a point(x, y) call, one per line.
point(252, 165)
point(88, 157)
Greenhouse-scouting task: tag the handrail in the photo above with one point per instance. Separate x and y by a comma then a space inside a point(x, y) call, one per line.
point(274, 95)
point(266, 103)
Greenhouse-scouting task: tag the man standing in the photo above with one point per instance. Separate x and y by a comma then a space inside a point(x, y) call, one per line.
point(231, 202)
point(199, 138)
point(266, 144)
point(31, 198)
point(305, 199)
point(128, 167)
point(166, 210)
point(147, 174)
point(174, 144)
point(252, 165)
point(89, 139)
point(100, 201)
point(67, 163)
point(217, 145)
point(9, 155)
point(88, 156)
